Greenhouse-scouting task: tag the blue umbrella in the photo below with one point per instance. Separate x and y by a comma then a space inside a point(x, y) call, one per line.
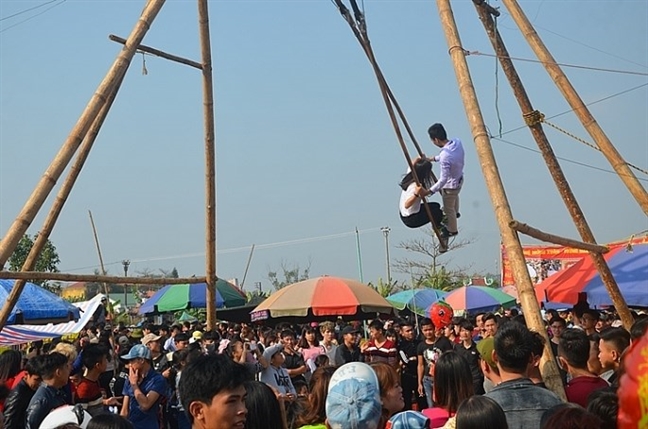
point(416, 300)
point(37, 305)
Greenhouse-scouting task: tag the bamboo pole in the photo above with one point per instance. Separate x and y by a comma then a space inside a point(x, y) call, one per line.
point(78, 133)
point(556, 239)
point(65, 277)
point(497, 193)
point(158, 53)
point(210, 162)
point(578, 217)
point(59, 202)
point(580, 109)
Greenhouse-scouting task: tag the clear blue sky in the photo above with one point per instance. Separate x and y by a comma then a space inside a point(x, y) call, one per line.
point(305, 149)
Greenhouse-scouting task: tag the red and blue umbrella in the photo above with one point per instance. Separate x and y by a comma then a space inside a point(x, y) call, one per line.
point(185, 296)
point(478, 298)
point(629, 268)
point(416, 300)
point(37, 306)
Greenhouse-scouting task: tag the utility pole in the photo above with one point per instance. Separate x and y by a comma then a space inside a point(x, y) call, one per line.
point(535, 126)
point(126, 264)
point(496, 190)
point(385, 230)
point(578, 106)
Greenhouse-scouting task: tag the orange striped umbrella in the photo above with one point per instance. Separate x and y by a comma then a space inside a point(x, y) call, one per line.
point(323, 297)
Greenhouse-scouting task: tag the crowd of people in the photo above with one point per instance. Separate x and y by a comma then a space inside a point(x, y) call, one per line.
point(479, 371)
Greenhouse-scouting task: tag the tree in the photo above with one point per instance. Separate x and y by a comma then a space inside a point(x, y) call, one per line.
point(432, 272)
point(290, 275)
point(47, 261)
point(385, 288)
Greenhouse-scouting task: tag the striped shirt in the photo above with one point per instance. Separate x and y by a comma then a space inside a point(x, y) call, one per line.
point(386, 352)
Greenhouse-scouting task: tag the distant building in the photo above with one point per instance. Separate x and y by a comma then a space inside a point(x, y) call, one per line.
point(75, 291)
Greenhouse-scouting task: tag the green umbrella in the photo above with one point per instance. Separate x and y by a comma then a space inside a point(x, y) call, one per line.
point(184, 296)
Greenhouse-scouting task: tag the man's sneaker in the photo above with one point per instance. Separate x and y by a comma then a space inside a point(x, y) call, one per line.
point(447, 234)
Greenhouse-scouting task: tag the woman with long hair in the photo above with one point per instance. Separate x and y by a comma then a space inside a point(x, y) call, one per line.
point(412, 213)
point(309, 344)
point(10, 368)
point(391, 392)
point(315, 414)
point(453, 383)
point(263, 408)
point(478, 412)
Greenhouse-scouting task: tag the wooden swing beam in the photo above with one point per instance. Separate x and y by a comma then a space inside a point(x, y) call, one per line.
point(556, 239)
point(65, 277)
point(158, 53)
point(497, 192)
point(578, 217)
point(583, 114)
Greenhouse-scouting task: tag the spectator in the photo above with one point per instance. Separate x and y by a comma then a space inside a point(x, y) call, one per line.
point(88, 391)
point(604, 404)
point(490, 325)
point(557, 325)
point(427, 353)
point(275, 375)
point(181, 341)
point(534, 367)
point(453, 382)
point(409, 366)
point(327, 330)
point(467, 348)
point(109, 421)
point(263, 407)
point(409, 420)
point(348, 351)
point(639, 328)
point(143, 391)
point(55, 372)
point(212, 391)
point(569, 416)
point(522, 401)
point(588, 320)
point(309, 345)
point(488, 366)
point(315, 414)
point(612, 345)
point(478, 333)
point(169, 344)
point(293, 361)
point(391, 392)
point(479, 412)
point(379, 348)
point(67, 417)
point(20, 396)
point(573, 353)
point(160, 362)
point(353, 399)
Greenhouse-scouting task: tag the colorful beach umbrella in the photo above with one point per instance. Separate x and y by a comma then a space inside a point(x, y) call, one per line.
point(629, 269)
point(37, 305)
point(323, 297)
point(185, 296)
point(416, 300)
point(478, 298)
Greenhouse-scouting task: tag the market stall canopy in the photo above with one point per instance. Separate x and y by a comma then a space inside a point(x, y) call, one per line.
point(416, 300)
point(322, 297)
point(478, 298)
point(185, 296)
point(629, 266)
point(37, 306)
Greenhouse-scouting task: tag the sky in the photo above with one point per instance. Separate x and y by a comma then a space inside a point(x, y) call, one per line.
point(305, 151)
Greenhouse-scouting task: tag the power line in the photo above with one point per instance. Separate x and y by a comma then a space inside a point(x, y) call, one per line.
point(33, 16)
point(28, 10)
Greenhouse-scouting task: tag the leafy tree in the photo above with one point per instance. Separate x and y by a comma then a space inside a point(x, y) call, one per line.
point(385, 288)
point(47, 261)
point(291, 274)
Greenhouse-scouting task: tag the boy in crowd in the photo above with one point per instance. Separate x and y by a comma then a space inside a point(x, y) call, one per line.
point(55, 372)
point(327, 329)
point(275, 375)
point(487, 365)
point(522, 401)
point(407, 348)
point(573, 352)
point(88, 391)
point(294, 361)
point(143, 391)
point(427, 354)
point(16, 403)
point(612, 344)
point(588, 320)
point(212, 392)
point(468, 349)
point(379, 348)
point(348, 351)
point(490, 325)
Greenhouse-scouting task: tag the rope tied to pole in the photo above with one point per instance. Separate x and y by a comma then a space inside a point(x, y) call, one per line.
point(533, 118)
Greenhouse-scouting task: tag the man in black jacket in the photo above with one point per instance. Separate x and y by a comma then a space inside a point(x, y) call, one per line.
point(55, 372)
point(19, 397)
point(348, 351)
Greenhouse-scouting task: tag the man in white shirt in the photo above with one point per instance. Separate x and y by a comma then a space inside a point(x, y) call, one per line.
point(451, 160)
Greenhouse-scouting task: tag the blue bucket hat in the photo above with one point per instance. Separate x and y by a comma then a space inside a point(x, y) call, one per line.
point(353, 400)
point(138, 351)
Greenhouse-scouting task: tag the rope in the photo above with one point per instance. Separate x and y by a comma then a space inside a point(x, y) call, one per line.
point(359, 28)
point(535, 118)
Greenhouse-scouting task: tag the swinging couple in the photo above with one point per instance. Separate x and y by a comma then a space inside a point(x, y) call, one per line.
point(451, 161)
